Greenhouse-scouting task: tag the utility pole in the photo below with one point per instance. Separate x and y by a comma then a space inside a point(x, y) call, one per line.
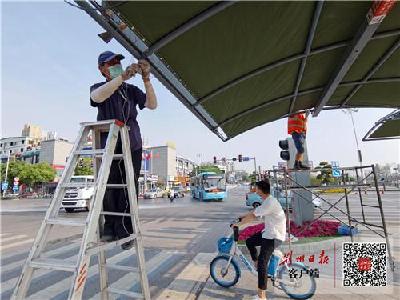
point(255, 169)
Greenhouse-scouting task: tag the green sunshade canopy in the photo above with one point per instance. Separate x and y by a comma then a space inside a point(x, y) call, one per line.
point(386, 128)
point(238, 65)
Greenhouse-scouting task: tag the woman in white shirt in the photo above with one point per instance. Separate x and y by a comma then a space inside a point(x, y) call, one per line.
point(273, 235)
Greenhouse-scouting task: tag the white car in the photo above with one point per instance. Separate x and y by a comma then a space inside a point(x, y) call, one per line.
point(154, 193)
point(79, 197)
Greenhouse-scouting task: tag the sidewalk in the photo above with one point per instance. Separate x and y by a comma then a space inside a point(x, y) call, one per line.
point(195, 281)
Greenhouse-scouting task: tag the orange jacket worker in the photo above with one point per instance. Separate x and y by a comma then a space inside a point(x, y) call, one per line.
point(297, 127)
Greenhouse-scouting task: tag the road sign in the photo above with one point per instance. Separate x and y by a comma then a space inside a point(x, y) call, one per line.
point(336, 172)
point(246, 158)
point(334, 164)
point(4, 185)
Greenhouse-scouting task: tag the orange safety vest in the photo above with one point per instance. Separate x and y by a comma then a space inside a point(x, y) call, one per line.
point(297, 123)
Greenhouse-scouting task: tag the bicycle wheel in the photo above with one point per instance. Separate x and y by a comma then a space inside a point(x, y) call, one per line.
point(296, 288)
point(224, 274)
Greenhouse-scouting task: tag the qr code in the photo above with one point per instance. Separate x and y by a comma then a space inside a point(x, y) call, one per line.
point(364, 264)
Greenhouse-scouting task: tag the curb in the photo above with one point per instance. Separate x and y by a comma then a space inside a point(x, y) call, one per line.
point(312, 247)
point(308, 248)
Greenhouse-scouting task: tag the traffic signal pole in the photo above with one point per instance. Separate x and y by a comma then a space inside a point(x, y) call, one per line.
point(255, 169)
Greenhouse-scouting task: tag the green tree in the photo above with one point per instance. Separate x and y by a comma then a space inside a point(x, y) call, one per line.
point(84, 167)
point(205, 168)
point(27, 173)
point(325, 174)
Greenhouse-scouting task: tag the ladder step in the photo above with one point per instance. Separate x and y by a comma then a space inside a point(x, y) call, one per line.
point(67, 221)
point(95, 248)
point(77, 184)
point(123, 268)
point(90, 152)
point(377, 206)
point(116, 186)
point(115, 156)
point(110, 213)
point(125, 293)
point(53, 264)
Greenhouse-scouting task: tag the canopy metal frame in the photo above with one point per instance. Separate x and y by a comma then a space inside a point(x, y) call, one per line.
point(382, 60)
point(284, 61)
point(290, 184)
point(130, 40)
point(361, 39)
point(394, 115)
point(310, 38)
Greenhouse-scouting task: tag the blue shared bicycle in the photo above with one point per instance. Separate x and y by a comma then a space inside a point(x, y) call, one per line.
point(296, 279)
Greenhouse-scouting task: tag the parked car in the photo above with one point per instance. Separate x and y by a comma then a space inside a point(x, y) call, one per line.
point(254, 200)
point(153, 193)
point(79, 197)
point(179, 192)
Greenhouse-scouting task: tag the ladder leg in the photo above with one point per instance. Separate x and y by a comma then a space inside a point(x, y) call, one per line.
point(39, 244)
point(102, 272)
point(101, 255)
point(90, 233)
point(130, 176)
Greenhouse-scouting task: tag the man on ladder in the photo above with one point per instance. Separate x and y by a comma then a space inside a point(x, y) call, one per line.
point(297, 127)
point(116, 99)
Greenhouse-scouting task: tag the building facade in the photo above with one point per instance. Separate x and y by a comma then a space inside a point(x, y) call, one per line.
point(18, 147)
point(55, 152)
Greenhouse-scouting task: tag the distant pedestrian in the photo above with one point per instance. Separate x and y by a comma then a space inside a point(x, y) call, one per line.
point(116, 99)
point(297, 127)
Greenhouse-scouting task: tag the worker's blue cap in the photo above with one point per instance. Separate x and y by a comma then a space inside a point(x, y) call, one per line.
point(106, 56)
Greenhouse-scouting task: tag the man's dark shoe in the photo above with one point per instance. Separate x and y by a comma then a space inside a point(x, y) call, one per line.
point(296, 165)
point(303, 167)
point(107, 238)
point(108, 234)
point(127, 245)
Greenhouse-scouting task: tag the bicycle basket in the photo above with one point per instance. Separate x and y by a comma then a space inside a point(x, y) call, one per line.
point(225, 245)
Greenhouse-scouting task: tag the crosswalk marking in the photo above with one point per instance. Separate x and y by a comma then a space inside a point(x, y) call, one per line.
point(61, 286)
point(128, 280)
point(15, 237)
point(65, 284)
point(16, 244)
point(54, 252)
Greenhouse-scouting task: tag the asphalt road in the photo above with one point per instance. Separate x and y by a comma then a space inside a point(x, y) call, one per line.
point(173, 235)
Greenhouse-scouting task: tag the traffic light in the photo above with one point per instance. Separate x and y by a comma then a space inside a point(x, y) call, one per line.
point(240, 158)
point(215, 160)
point(284, 145)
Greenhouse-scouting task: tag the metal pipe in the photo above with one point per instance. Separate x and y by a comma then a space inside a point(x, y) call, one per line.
point(383, 217)
point(360, 196)
point(310, 39)
point(348, 208)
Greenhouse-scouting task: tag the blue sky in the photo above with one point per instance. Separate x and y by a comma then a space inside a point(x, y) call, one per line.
point(49, 60)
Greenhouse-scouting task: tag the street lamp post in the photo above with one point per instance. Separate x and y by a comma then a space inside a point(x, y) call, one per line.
point(350, 112)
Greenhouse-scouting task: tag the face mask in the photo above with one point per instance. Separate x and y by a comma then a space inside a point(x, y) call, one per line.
point(115, 71)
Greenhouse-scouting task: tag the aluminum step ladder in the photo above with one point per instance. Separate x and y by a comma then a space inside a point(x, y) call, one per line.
point(91, 243)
